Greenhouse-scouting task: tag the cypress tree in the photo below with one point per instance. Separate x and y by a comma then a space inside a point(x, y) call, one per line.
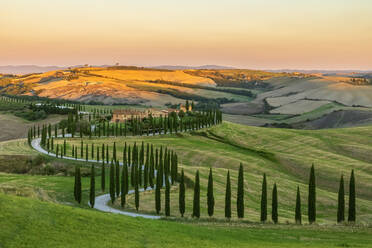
point(114, 152)
point(181, 200)
point(157, 192)
point(92, 150)
point(136, 190)
point(298, 215)
point(196, 203)
point(117, 176)
point(210, 196)
point(92, 194)
point(86, 152)
point(341, 202)
point(75, 183)
point(228, 197)
point(274, 205)
point(78, 186)
point(103, 177)
point(124, 183)
point(264, 200)
point(240, 194)
point(107, 154)
point(103, 153)
point(352, 215)
point(112, 182)
point(167, 197)
point(312, 197)
point(81, 149)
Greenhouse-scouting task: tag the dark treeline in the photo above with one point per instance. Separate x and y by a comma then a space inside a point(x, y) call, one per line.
point(195, 86)
point(172, 123)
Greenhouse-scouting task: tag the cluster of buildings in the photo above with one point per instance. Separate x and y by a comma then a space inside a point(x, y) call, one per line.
point(121, 115)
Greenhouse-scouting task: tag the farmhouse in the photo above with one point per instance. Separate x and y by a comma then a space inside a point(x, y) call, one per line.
point(121, 115)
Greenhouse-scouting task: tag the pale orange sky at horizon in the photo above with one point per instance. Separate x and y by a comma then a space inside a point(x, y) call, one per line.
point(255, 34)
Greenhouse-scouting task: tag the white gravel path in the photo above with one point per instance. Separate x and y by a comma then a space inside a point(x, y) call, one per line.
point(101, 202)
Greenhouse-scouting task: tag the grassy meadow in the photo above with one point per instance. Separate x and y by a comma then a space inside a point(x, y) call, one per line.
point(284, 155)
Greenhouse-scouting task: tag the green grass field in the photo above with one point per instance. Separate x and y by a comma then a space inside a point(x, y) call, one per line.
point(284, 155)
point(28, 222)
point(43, 206)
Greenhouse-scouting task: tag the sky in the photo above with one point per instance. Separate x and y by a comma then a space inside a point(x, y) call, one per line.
point(255, 34)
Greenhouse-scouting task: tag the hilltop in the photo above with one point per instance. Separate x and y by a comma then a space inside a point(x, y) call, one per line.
point(292, 99)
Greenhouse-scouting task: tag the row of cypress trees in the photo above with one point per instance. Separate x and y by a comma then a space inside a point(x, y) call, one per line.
point(115, 192)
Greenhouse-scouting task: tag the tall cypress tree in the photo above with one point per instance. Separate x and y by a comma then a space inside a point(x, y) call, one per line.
point(124, 184)
point(264, 200)
point(75, 183)
point(210, 195)
point(167, 197)
point(103, 176)
point(78, 186)
point(92, 192)
point(181, 200)
point(157, 192)
point(228, 197)
point(312, 197)
point(298, 215)
point(341, 202)
point(117, 177)
point(112, 182)
point(240, 194)
point(274, 205)
point(136, 185)
point(352, 215)
point(196, 203)
point(114, 152)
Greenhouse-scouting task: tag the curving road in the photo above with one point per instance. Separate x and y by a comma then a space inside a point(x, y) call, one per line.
point(101, 202)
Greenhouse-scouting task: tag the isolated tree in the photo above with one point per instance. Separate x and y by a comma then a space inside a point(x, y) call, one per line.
point(312, 197)
point(112, 182)
point(352, 215)
point(240, 194)
point(196, 203)
point(167, 197)
point(92, 194)
point(181, 200)
point(298, 215)
point(341, 202)
point(264, 200)
point(228, 197)
point(274, 205)
point(210, 196)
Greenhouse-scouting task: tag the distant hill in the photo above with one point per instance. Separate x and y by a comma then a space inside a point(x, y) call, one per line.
point(26, 69)
point(202, 67)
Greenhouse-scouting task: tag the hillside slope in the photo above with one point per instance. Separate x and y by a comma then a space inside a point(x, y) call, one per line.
point(31, 223)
